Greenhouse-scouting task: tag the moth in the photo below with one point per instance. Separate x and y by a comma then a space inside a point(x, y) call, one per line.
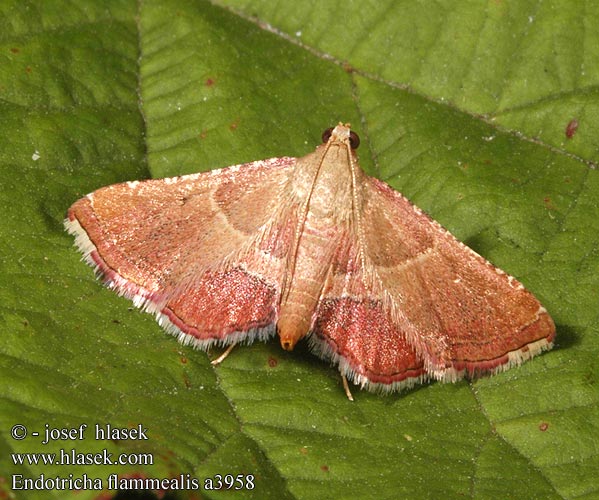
point(310, 247)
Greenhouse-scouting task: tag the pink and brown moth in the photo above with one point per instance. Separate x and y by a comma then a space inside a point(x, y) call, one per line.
point(310, 247)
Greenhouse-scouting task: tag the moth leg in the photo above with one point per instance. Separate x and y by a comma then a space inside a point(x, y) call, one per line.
point(346, 388)
point(222, 357)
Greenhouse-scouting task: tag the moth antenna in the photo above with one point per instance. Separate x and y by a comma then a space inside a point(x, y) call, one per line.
point(292, 256)
point(356, 212)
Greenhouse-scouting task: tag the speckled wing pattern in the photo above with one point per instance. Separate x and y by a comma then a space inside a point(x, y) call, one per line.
point(203, 252)
point(420, 304)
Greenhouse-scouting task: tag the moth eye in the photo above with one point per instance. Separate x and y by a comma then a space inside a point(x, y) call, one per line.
point(354, 140)
point(326, 135)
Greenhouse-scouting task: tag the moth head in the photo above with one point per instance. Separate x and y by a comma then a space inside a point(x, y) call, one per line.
point(341, 133)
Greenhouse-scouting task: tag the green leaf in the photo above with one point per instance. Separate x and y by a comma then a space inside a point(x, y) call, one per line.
point(462, 106)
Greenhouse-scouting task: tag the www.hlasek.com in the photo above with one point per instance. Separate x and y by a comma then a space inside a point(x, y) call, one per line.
point(72, 457)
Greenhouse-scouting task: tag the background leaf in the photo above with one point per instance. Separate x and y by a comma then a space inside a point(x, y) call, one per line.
point(463, 106)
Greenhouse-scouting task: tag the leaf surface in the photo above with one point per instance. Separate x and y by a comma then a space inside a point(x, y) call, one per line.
point(462, 106)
